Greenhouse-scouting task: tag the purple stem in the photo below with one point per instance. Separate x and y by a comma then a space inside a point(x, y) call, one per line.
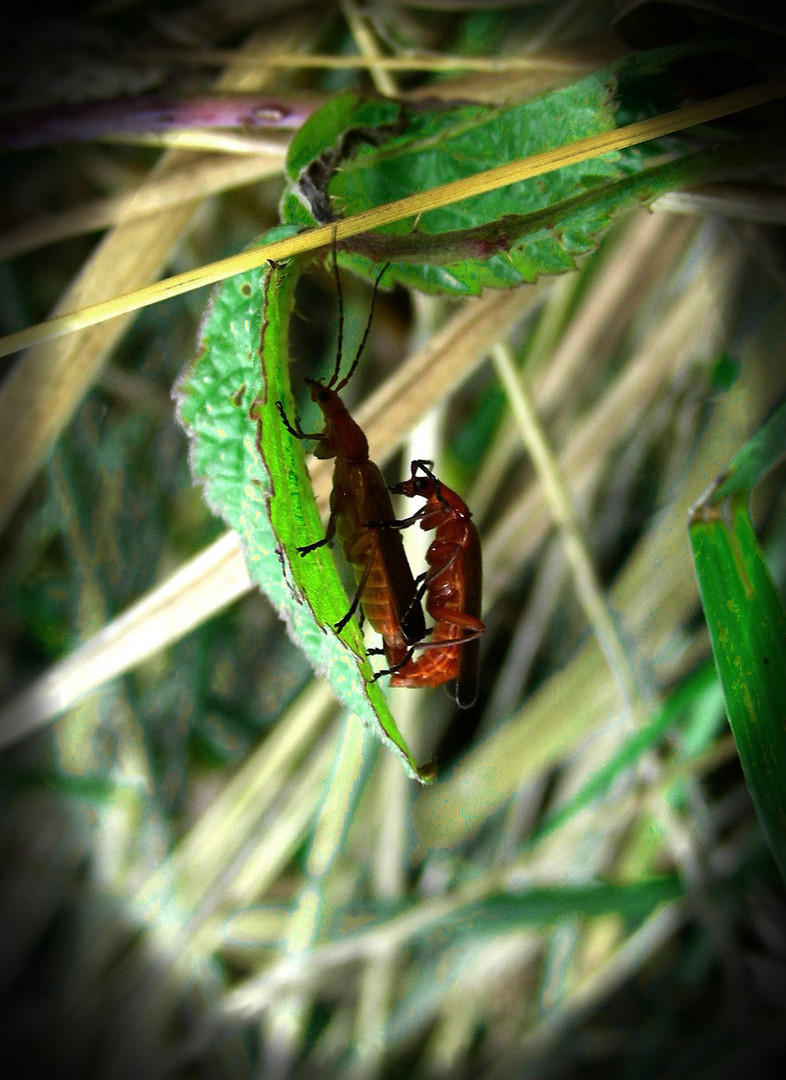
point(90, 120)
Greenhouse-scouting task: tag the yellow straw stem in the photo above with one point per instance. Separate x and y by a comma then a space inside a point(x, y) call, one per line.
point(410, 206)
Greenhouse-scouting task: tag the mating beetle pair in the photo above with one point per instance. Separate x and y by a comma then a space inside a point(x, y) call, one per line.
point(361, 514)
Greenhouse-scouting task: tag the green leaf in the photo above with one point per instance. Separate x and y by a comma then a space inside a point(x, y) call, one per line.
point(761, 453)
point(747, 625)
point(356, 153)
point(387, 150)
point(255, 477)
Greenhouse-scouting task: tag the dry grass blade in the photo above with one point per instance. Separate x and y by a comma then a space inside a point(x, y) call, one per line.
point(176, 187)
point(565, 351)
point(389, 213)
point(197, 590)
point(39, 396)
point(557, 61)
point(496, 768)
point(615, 416)
point(239, 845)
point(595, 989)
point(739, 202)
point(563, 513)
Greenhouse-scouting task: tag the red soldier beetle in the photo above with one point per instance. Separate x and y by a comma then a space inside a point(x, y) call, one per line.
point(386, 590)
point(453, 587)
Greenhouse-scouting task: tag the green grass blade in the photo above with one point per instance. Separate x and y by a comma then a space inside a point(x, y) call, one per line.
point(694, 693)
point(501, 912)
point(760, 453)
point(633, 902)
point(747, 625)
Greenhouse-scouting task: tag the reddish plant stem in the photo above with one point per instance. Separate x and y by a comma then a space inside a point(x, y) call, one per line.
point(152, 114)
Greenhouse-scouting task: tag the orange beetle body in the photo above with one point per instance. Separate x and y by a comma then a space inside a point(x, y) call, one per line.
point(453, 587)
point(386, 589)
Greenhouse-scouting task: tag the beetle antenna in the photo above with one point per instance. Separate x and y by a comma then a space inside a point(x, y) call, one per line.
point(424, 467)
point(340, 295)
point(362, 345)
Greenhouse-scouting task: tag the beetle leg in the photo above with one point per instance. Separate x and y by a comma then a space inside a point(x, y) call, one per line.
point(456, 642)
point(393, 667)
point(329, 533)
point(396, 523)
point(296, 430)
point(339, 626)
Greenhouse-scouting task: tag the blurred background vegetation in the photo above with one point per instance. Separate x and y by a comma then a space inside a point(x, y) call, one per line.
point(206, 870)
